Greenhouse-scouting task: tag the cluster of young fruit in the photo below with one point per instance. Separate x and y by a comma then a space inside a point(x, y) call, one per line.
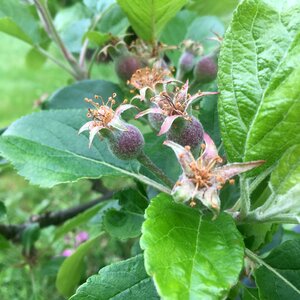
point(169, 109)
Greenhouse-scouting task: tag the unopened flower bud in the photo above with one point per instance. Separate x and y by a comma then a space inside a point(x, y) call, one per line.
point(186, 62)
point(126, 144)
point(126, 66)
point(186, 132)
point(206, 69)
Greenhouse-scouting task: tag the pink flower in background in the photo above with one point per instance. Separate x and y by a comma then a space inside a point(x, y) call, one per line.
point(68, 252)
point(81, 237)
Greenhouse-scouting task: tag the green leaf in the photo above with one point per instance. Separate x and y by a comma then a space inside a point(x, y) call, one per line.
point(176, 29)
point(97, 37)
point(285, 260)
point(175, 32)
point(3, 210)
point(72, 23)
point(257, 235)
point(209, 116)
point(259, 72)
point(161, 156)
point(99, 6)
point(4, 244)
point(114, 21)
point(66, 16)
point(126, 222)
point(204, 28)
point(34, 59)
point(29, 236)
point(287, 173)
point(79, 219)
point(250, 294)
point(122, 280)
point(73, 35)
point(215, 8)
point(189, 255)
point(73, 95)
point(52, 152)
point(284, 190)
point(72, 268)
point(16, 20)
point(46, 149)
point(148, 17)
point(186, 25)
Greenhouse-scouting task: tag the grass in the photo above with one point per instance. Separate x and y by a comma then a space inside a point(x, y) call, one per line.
point(20, 85)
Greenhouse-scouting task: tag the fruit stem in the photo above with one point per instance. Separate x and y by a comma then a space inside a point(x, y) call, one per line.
point(149, 164)
point(260, 262)
point(54, 60)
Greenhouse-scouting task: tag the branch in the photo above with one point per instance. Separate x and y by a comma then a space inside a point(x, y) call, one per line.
point(14, 232)
point(45, 17)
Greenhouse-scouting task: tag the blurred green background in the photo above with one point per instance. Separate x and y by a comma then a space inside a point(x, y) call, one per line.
point(22, 87)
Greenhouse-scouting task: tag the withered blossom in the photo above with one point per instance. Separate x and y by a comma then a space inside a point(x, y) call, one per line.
point(202, 178)
point(173, 105)
point(104, 117)
point(146, 79)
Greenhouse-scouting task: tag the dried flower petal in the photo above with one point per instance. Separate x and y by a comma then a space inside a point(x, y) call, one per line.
point(173, 105)
point(104, 117)
point(205, 174)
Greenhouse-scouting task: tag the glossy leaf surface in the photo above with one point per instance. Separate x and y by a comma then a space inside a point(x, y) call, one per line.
point(46, 149)
point(122, 280)
point(148, 17)
point(189, 255)
point(73, 96)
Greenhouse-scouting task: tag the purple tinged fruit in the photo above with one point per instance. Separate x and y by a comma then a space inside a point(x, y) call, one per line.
point(186, 62)
point(127, 65)
point(127, 144)
point(206, 69)
point(156, 120)
point(186, 132)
